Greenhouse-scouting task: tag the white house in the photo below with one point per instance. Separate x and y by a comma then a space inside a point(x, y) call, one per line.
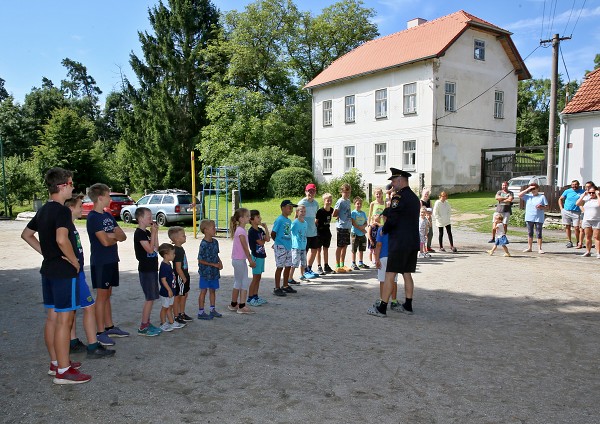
point(579, 145)
point(426, 99)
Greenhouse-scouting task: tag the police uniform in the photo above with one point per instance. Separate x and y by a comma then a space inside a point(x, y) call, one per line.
point(402, 227)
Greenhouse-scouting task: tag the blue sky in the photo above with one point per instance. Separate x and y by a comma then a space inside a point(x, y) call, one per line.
point(35, 35)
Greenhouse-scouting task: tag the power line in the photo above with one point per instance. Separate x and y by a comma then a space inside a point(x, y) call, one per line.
point(580, 10)
point(543, 20)
point(553, 16)
point(569, 20)
point(564, 64)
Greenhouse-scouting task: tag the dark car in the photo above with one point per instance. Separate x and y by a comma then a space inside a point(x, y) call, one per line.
point(117, 201)
point(167, 206)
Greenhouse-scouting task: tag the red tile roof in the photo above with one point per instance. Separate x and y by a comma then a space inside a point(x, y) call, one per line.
point(428, 40)
point(587, 98)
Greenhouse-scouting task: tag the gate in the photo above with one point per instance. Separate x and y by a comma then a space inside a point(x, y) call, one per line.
point(502, 164)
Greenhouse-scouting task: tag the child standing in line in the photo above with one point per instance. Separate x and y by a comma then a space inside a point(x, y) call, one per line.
point(167, 288)
point(299, 227)
point(209, 266)
point(372, 236)
point(86, 301)
point(500, 239)
point(258, 235)
point(342, 212)
point(182, 275)
point(145, 245)
point(423, 231)
point(359, 239)
point(281, 233)
point(381, 257)
point(104, 234)
point(239, 253)
point(323, 221)
point(378, 205)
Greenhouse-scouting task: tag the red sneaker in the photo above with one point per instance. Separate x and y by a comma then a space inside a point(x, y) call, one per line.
point(71, 376)
point(54, 368)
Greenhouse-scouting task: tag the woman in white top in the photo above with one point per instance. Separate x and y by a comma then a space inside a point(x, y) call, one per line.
point(441, 219)
point(591, 218)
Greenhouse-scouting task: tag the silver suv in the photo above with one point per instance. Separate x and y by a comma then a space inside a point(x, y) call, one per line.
point(167, 206)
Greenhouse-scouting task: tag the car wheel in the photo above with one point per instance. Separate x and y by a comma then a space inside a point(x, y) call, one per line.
point(161, 219)
point(127, 217)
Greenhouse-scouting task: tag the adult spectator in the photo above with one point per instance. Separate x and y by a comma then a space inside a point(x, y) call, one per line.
point(590, 201)
point(441, 219)
point(570, 212)
point(312, 241)
point(504, 198)
point(535, 205)
point(402, 226)
point(426, 201)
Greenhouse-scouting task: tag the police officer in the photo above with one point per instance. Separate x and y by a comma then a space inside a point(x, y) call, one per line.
point(402, 227)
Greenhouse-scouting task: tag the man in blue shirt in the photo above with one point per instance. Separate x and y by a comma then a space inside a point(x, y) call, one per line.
point(571, 214)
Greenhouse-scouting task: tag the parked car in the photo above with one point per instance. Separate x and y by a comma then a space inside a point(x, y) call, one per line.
point(516, 183)
point(167, 206)
point(117, 201)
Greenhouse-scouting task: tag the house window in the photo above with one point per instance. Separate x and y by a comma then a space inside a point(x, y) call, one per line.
point(349, 158)
point(409, 155)
point(410, 98)
point(479, 51)
point(499, 104)
point(381, 103)
point(450, 97)
point(350, 109)
point(380, 157)
point(327, 160)
point(327, 113)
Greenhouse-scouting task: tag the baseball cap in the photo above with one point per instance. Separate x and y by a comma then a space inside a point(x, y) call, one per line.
point(310, 186)
point(287, 202)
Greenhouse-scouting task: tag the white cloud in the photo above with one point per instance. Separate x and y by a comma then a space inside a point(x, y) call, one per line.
point(563, 18)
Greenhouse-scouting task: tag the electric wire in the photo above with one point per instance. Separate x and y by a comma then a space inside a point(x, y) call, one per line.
point(580, 10)
point(569, 20)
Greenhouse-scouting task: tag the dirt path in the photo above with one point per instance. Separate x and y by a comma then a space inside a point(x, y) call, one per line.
point(493, 339)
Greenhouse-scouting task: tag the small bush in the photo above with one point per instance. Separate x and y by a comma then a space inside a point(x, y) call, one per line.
point(289, 182)
point(517, 219)
point(352, 177)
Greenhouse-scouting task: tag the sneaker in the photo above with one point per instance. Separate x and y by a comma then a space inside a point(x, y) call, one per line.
point(597, 255)
point(215, 314)
point(180, 320)
point(71, 376)
point(54, 368)
point(104, 340)
point(261, 301)
point(292, 281)
point(99, 352)
point(302, 278)
point(154, 328)
point(116, 332)
point(79, 347)
point(396, 307)
point(186, 317)
point(355, 267)
point(442, 249)
point(311, 274)
point(489, 252)
point(204, 316)
point(288, 289)
point(430, 250)
point(375, 312)
point(165, 326)
point(149, 331)
point(177, 325)
point(569, 244)
point(364, 266)
point(253, 302)
point(321, 271)
point(279, 292)
point(340, 270)
point(586, 255)
point(404, 310)
point(427, 255)
point(454, 250)
point(328, 269)
point(492, 241)
point(245, 310)
point(232, 308)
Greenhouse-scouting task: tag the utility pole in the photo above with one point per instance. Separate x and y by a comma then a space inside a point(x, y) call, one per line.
point(553, 93)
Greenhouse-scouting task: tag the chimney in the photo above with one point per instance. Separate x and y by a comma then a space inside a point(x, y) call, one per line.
point(415, 22)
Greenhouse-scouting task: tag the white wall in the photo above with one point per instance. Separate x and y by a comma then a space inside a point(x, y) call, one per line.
point(579, 148)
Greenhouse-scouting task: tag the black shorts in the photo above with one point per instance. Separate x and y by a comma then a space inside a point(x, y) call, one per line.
point(181, 287)
point(402, 261)
point(359, 243)
point(324, 239)
point(343, 237)
point(105, 276)
point(312, 243)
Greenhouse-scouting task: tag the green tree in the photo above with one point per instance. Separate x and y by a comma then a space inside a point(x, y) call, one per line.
point(168, 108)
point(3, 92)
point(23, 180)
point(12, 128)
point(81, 89)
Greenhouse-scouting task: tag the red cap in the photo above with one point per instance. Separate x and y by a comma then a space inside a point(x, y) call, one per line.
point(310, 186)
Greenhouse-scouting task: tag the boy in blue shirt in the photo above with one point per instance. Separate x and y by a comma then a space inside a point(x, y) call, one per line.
point(281, 234)
point(258, 235)
point(341, 211)
point(358, 234)
point(299, 228)
point(381, 257)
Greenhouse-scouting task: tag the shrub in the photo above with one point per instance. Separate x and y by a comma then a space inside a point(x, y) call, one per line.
point(352, 177)
point(517, 219)
point(289, 182)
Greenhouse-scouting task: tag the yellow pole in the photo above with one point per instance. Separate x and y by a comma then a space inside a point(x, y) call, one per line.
point(194, 194)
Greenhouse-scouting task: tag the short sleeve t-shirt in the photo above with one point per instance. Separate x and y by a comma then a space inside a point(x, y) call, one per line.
point(282, 227)
point(504, 207)
point(591, 208)
point(46, 221)
point(209, 252)
point(571, 196)
point(100, 254)
point(147, 262)
point(299, 234)
point(181, 258)
point(324, 220)
point(166, 271)
point(344, 213)
point(383, 239)
point(360, 218)
point(532, 214)
point(258, 250)
point(377, 208)
point(237, 251)
point(311, 214)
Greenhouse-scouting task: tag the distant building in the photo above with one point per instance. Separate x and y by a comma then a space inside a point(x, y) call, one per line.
point(426, 99)
point(579, 145)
